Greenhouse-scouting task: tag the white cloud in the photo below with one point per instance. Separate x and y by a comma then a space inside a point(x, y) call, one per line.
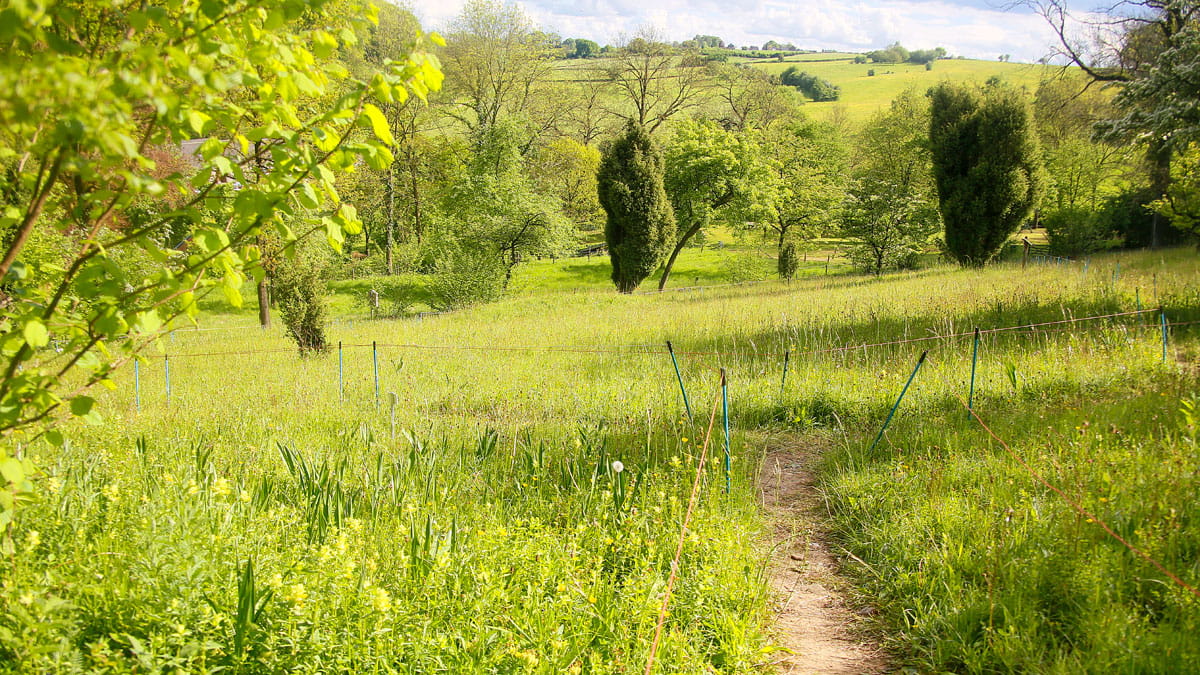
point(967, 27)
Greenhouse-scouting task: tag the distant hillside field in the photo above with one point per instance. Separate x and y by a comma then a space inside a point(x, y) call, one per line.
point(863, 95)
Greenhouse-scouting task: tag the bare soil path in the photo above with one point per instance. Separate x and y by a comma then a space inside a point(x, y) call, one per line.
point(813, 619)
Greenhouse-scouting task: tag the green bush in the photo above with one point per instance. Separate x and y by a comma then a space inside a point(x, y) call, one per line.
point(740, 268)
point(788, 262)
point(1129, 216)
point(1078, 231)
point(299, 290)
point(466, 277)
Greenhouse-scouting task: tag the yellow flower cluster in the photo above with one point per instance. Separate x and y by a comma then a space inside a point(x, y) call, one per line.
point(379, 598)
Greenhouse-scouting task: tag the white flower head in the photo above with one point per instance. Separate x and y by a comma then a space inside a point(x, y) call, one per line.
point(617, 466)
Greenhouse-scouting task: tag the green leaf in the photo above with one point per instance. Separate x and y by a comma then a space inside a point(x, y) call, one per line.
point(323, 44)
point(231, 288)
point(187, 302)
point(347, 218)
point(334, 234)
point(82, 405)
point(307, 196)
point(89, 361)
point(222, 164)
point(197, 120)
point(378, 123)
point(12, 470)
point(146, 322)
point(36, 335)
point(210, 240)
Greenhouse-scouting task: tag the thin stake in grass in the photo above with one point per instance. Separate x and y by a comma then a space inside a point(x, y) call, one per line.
point(725, 421)
point(167, 377)
point(392, 415)
point(974, 360)
point(787, 355)
point(682, 389)
point(1162, 316)
point(900, 398)
point(375, 363)
point(341, 380)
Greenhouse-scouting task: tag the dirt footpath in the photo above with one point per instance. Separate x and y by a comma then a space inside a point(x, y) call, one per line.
point(814, 621)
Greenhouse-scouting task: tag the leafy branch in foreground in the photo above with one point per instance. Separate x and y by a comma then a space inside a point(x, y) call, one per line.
point(104, 238)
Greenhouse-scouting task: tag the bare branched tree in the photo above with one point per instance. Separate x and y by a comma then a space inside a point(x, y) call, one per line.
point(655, 80)
point(496, 60)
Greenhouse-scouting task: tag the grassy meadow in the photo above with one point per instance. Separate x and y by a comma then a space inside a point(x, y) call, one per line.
point(863, 95)
point(517, 507)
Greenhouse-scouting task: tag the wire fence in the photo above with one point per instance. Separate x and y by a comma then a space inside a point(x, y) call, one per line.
point(645, 349)
point(1039, 328)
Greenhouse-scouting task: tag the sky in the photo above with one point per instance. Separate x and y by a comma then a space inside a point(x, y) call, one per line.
point(970, 28)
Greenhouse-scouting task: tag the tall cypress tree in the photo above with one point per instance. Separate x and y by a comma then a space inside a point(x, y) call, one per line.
point(640, 228)
point(986, 165)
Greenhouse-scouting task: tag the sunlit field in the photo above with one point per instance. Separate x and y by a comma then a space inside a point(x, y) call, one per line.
point(507, 494)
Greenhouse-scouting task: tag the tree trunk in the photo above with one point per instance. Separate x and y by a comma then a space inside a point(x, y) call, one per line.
point(415, 189)
point(662, 283)
point(264, 305)
point(391, 220)
point(264, 294)
point(1160, 180)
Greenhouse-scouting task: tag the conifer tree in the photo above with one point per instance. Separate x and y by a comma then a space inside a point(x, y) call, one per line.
point(640, 226)
point(986, 165)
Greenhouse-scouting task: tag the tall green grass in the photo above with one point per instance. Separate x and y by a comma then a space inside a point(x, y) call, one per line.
point(263, 522)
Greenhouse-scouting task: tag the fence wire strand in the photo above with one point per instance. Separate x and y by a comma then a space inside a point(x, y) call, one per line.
point(643, 350)
point(1076, 506)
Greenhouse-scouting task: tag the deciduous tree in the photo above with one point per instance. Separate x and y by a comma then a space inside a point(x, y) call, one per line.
point(91, 91)
point(654, 81)
point(497, 61)
point(752, 98)
point(712, 174)
point(808, 163)
point(1148, 48)
point(891, 212)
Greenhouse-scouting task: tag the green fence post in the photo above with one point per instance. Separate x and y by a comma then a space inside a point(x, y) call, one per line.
point(1162, 315)
point(725, 419)
point(683, 390)
point(974, 360)
point(904, 391)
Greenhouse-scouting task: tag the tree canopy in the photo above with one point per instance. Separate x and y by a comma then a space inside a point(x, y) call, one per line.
point(93, 96)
